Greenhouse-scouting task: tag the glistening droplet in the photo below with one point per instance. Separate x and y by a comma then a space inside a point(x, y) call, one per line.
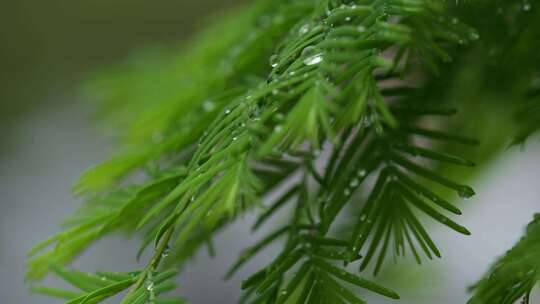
point(312, 55)
point(465, 192)
point(273, 60)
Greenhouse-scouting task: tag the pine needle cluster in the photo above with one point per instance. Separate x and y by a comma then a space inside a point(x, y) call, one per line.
point(333, 104)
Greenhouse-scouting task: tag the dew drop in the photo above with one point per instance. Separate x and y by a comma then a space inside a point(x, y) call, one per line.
point(165, 252)
point(347, 19)
point(361, 173)
point(227, 111)
point(363, 217)
point(208, 106)
point(273, 60)
point(315, 59)
point(278, 128)
point(312, 55)
point(303, 29)
point(455, 21)
point(354, 183)
point(474, 35)
point(361, 28)
point(150, 286)
point(465, 192)
point(234, 138)
point(347, 192)
point(526, 6)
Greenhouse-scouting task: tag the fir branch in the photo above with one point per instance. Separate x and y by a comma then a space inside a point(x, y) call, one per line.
point(334, 79)
point(513, 275)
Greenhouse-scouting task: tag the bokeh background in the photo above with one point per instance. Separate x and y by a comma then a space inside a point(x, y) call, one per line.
point(48, 137)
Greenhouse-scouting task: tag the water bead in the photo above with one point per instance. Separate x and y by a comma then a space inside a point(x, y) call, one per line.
point(304, 29)
point(273, 60)
point(208, 106)
point(312, 55)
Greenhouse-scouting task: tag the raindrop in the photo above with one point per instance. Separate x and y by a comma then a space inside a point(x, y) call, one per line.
point(165, 252)
point(361, 28)
point(303, 29)
point(312, 55)
point(150, 286)
point(278, 128)
point(361, 173)
point(347, 19)
point(526, 6)
point(455, 21)
point(234, 138)
point(465, 192)
point(273, 60)
point(474, 35)
point(354, 183)
point(227, 111)
point(208, 106)
point(315, 59)
point(347, 192)
point(363, 217)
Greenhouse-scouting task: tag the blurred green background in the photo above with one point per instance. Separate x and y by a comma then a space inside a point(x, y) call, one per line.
point(47, 47)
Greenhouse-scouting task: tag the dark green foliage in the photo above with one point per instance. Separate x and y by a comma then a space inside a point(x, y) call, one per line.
point(339, 98)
